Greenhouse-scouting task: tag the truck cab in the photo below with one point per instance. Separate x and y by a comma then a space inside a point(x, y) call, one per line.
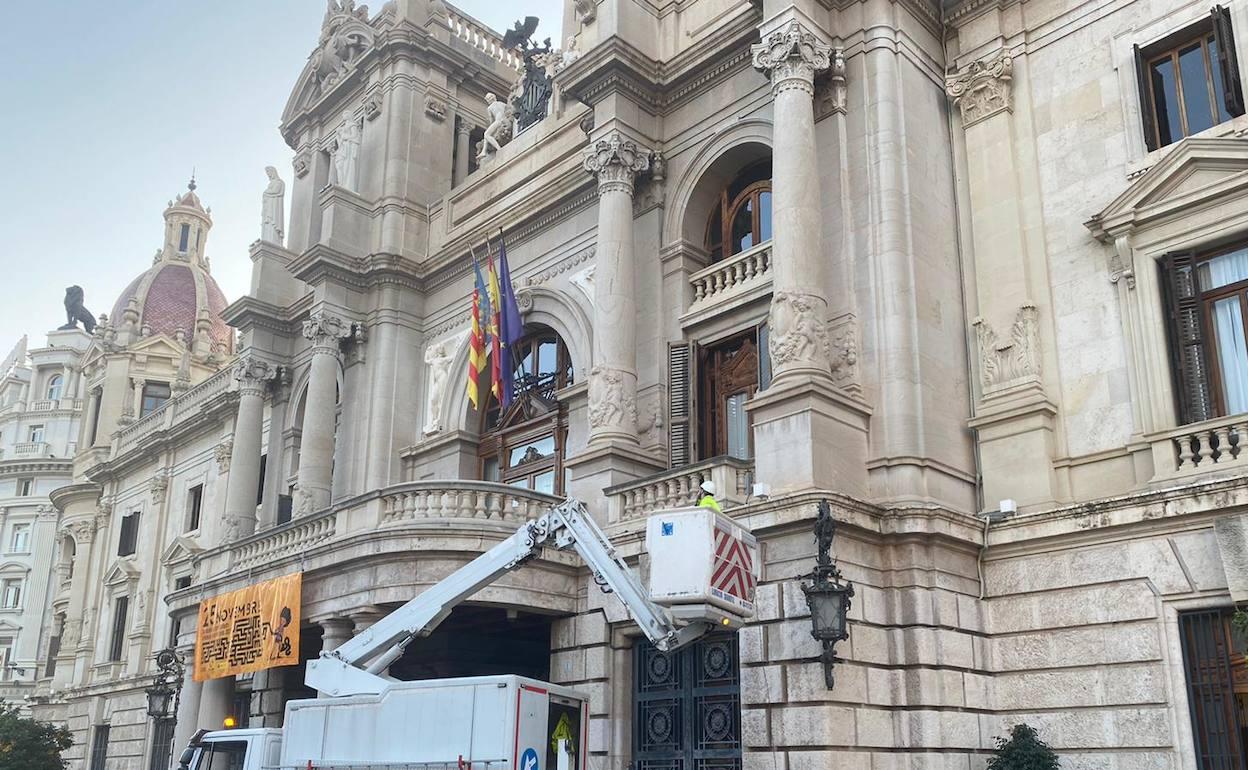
point(252, 749)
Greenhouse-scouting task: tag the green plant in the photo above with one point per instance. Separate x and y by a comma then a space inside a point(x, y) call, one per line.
point(28, 744)
point(1239, 622)
point(1023, 751)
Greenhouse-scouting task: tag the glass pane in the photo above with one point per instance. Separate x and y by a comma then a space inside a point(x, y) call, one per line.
point(534, 450)
point(489, 469)
point(544, 482)
point(547, 358)
point(743, 227)
point(738, 427)
point(1228, 327)
point(1219, 94)
point(1195, 89)
point(764, 216)
point(764, 357)
point(1166, 101)
point(714, 229)
point(1223, 270)
point(526, 361)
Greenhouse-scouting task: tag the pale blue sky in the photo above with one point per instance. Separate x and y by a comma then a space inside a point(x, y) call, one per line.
point(108, 108)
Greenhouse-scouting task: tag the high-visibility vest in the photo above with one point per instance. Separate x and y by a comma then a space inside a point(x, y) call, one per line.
point(708, 501)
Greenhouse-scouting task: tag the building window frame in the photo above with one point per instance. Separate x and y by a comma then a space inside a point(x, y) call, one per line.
point(7, 644)
point(19, 538)
point(35, 433)
point(56, 386)
point(128, 534)
point(117, 636)
point(750, 187)
point(194, 506)
point(25, 486)
point(99, 747)
point(12, 590)
point(154, 396)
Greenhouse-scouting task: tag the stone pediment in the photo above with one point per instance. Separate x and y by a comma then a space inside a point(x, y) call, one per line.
point(8, 625)
point(1196, 173)
point(182, 549)
point(120, 573)
point(157, 345)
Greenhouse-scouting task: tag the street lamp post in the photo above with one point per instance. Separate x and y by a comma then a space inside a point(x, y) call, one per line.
point(829, 599)
point(162, 703)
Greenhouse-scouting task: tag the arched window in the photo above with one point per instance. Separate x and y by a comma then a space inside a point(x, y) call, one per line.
point(523, 445)
point(742, 219)
point(54, 387)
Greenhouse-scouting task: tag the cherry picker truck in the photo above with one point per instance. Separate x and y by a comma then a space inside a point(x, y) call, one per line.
point(703, 571)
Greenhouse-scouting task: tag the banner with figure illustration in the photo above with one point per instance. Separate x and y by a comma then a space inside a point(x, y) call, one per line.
point(250, 629)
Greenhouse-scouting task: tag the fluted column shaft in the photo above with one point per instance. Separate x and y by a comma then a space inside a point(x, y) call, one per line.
point(798, 319)
point(253, 375)
point(316, 449)
point(615, 160)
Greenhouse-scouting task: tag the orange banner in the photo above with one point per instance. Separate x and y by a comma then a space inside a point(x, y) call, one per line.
point(250, 629)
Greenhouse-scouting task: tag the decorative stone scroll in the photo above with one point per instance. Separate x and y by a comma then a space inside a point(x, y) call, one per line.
point(843, 332)
point(372, 106)
point(221, 453)
point(832, 93)
point(982, 89)
point(435, 108)
point(1014, 360)
point(792, 56)
point(616, 160)
point(158, 486)
point(326, 331)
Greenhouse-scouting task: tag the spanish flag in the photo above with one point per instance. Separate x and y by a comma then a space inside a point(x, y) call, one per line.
point(476, 342)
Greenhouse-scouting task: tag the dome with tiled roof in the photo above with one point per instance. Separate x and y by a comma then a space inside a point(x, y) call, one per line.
point(177, 296)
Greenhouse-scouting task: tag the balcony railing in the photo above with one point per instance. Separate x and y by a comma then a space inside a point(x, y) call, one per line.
point(31, 449)
point(462, 500)
point(175, 411)
point(1213, 445)
point(729, 278)
point(680, 487)
point(46, 405)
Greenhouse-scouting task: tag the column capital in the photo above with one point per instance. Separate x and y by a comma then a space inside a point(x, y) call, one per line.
point(464, 128)
point(615, 160)
point(326, 331)
point(792, 55)
point(982, 88)
point(253, 374)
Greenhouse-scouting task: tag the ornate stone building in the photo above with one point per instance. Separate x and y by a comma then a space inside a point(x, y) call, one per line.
point(914, 258)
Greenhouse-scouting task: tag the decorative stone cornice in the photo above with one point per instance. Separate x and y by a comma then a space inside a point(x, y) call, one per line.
point(253, 374)
point(616, 160)
point(982, 89)
point(792, 56)
point(326, 331)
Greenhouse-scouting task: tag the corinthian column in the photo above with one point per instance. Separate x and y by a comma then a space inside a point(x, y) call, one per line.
point(253, 375)
point(316, 447)
point(615, 160)
point(792, 55)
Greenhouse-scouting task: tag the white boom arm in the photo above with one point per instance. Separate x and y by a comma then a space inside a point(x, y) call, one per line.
point(354, 667)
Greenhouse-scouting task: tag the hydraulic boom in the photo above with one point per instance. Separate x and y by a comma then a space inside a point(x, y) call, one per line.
point(355, 667)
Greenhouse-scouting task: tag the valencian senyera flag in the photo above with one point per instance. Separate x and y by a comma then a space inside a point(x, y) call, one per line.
point(476, 342)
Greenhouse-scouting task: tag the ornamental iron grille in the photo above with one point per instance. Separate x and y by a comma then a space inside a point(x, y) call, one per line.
point(1208, 651)
point(687, 706)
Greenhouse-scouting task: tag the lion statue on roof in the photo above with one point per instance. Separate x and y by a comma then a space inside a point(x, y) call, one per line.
point(75, 312)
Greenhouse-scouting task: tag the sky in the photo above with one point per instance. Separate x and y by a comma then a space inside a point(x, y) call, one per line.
point(109, 108)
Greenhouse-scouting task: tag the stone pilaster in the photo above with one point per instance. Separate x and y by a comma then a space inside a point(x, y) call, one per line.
point(253, 375)
point(615, 160)
point(316, 453)
point(1013, 415)
point(808, 433)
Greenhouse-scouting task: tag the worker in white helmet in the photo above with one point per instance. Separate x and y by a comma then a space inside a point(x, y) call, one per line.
point(708, 497)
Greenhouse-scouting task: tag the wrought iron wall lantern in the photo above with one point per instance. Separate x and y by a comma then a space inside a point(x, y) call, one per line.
point(165, 692)
point(828, 597)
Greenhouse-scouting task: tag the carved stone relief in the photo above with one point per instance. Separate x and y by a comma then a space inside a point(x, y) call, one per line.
point(843, 333)
point(982, 89)
point(221, 453)
point(798, 335)
point(372, 106)
point(584, 280)
point(1013, 360)
point(609, 406)
point(435, 108)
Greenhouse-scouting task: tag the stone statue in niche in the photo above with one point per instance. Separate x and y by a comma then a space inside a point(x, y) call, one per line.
point(75, 312)
point(495, 132)
point(273, 210)
point(439, 357)
point(346, 151)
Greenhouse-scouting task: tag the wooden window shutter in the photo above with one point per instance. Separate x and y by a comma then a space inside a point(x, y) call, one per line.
point(680, 393)
point(1148, 116)
point(1187, 338)
point(1228, 61)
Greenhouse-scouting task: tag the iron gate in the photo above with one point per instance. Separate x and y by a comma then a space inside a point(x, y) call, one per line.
point(1210, 695)
point(687, 706)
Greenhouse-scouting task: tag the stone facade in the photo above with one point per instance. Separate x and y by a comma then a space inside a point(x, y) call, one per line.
point(952, 304)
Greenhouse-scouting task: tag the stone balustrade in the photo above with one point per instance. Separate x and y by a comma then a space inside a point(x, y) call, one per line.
point(1213, 445)
point(286, 539)
point(739, 274)
point(31, 449)
point(174, 411)
point(480, 37)
point(463, 500)
point(679, 487)
point(44, 405)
